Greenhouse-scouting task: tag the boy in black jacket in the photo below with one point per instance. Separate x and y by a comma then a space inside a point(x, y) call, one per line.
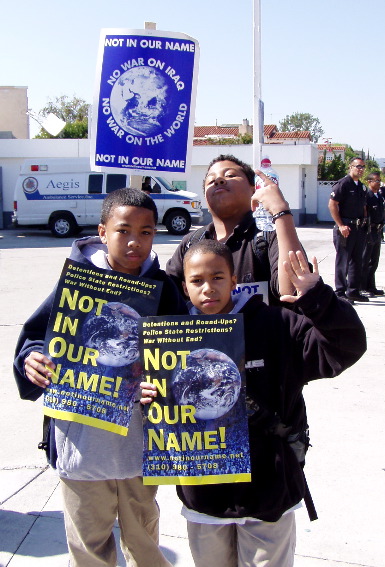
point(252, 524)
point(100, 471)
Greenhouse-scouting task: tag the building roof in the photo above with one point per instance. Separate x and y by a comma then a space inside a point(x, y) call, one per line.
point(269, 130)
point(199, 142)
point(330, 148)
point(210, 131)
point(202, 133)
point(291, 135)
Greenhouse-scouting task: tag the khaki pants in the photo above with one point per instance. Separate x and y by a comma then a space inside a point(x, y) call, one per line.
point(90, 511)
point(261, 544)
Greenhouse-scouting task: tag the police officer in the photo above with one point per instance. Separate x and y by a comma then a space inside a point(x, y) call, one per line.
point(372, 250)
point(347, 207)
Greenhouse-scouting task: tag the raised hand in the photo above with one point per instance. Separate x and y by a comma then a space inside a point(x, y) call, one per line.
point(300, 275)
point(270, 196)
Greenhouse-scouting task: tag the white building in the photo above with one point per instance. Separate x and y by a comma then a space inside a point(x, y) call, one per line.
point(14, 120)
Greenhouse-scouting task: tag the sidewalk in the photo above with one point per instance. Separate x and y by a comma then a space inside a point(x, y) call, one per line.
point(345, 465)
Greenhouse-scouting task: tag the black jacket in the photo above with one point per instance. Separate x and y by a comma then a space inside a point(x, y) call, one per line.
point(324, 340)
point(33, 332)
point(249, 265)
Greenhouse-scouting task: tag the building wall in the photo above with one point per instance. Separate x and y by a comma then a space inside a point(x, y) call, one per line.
point(288, 160)
point(13, 111)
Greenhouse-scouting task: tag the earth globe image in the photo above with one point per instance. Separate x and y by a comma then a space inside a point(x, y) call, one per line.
point(139, 99)
point(114, 334)
point(210, 382)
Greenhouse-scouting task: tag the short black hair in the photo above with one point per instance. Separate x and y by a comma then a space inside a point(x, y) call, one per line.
point(127, 197)
point(208, 246)
point(354, 159)
point(246, 168)
point(374, 174)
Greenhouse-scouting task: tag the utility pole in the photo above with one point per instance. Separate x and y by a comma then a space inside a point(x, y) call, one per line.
point(258, 104)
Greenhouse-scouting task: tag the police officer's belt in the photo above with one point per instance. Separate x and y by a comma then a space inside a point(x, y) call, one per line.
point(354, 222)
point(378, 226)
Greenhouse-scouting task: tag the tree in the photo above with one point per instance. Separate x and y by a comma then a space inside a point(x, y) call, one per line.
point(73, 111)
point(335, 169)
point(371, 166)
point(233, 141)
point(302, 122)
point(245, 138)
point(331, 170)
point(349, 153)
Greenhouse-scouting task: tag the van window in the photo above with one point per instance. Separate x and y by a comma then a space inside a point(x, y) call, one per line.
point(166, 184)
point(95, 183)
point(115, 181)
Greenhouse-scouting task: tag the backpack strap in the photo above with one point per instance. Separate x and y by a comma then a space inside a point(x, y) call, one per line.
point(44, 443)
point(259, 243)
point(312, 512)
point(47, 443)
point(259, 246)
point(299, 442)
point(195, 237)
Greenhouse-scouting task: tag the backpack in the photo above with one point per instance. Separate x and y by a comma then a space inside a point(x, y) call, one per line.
point(298, 442)
point(259, 246)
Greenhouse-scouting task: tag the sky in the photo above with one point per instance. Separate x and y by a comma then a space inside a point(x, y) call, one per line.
point(322, 58)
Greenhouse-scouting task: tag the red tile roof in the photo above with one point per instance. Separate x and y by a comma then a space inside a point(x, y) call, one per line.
point(270, 131)
point(291, 135)
point(330, 148)
point(207, 131)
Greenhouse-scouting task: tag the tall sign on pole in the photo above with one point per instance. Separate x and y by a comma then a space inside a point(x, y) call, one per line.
point(258, 104)
point(143, 112)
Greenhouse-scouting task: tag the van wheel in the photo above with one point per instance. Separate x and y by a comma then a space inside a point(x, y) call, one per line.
point(62, 226)
point(178, 222)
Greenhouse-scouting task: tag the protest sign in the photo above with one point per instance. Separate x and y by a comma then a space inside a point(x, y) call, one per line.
point(252, 288)
point(92, 337)
point(196, 429)
point(143, 111)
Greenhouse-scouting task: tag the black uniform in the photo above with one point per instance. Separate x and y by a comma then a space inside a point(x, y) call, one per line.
point(351, 199)
point(372, 250)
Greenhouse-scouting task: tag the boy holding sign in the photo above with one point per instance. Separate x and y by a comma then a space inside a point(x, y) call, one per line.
point(244, 524)
point(100, 471)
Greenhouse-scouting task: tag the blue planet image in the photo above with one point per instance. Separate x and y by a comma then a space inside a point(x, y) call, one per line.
point(139, 100)
point(114, 334)
point(210, 382)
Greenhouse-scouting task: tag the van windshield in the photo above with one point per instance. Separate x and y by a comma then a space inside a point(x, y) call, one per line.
point(166, 184)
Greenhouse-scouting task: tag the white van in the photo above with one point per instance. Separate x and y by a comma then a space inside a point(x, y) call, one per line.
point(65, 195)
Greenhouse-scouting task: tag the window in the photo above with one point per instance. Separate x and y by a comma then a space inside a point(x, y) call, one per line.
point(95, 183)
point(115, 181)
